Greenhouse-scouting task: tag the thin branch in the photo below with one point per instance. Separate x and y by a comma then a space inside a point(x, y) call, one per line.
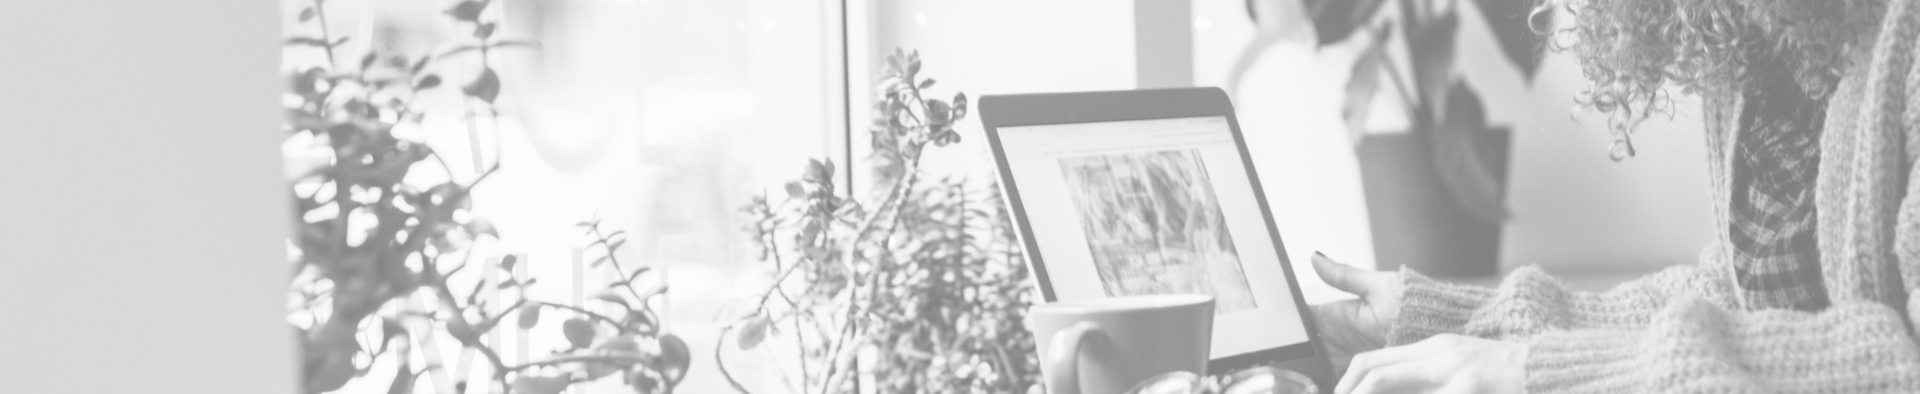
point(578, 359)
point(1407, 96)
point(590, 314)
point(721, 363)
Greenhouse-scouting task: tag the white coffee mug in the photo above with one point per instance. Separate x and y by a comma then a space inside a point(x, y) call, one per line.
point(1108, 345)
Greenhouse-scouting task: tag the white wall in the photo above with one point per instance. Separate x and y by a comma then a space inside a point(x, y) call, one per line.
point(1573, 208)
point(142, 213)
point(1000, 47)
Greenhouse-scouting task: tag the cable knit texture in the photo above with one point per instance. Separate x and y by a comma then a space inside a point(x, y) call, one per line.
point(1685, 329)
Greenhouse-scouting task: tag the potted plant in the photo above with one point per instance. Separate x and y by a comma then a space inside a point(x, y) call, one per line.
point(1434, 194)
point(382, 259)
point(926, 281)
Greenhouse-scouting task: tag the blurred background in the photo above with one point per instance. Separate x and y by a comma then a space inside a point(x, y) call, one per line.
point(663, 118)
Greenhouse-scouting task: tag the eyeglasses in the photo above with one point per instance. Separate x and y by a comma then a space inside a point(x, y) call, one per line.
point(1256, 380)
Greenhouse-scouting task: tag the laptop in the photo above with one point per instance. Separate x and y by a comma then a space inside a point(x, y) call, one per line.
point(1153, 192)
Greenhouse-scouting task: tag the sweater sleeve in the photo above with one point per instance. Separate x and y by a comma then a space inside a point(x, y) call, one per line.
point(1529, 302)
point(1692, 345)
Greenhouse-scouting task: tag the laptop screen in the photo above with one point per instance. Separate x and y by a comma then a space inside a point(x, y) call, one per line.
point(1160, 206)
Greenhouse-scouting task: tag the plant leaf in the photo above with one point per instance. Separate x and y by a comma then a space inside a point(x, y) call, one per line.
point(390, 328)
point(467, 11)
point(579, 332)
point(1458, 158)
point(479, 227)
point(307, 14)
point(1431, 47)
point(795, 191)
point(818, 172)
point(486, 87)
point(1334, 20)
point(610, 296)
point(1362, 84)
point(539, 385)
point(1512, 23)
point(636, 273)
point(617, 345)
point(644, 384)
point(673, 360)
point(429, 82)
point(507, 263)
point(306, 41)
point(653, 291)
point(515, 44)
point(484, 30)
point(529, 316)
point(420, 64)
point(402, 380)
point(959, 106)
point(753, 331)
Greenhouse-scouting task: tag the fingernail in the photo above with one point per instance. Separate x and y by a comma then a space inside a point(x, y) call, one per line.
point(1320, 255)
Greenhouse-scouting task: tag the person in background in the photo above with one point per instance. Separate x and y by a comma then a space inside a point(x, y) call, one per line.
point(1812, 120)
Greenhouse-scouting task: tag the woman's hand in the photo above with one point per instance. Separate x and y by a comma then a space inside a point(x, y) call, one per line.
point(1445, 363)
point(1354, 326)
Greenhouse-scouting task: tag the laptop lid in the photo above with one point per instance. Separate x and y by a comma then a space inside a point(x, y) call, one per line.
point(1152, 192)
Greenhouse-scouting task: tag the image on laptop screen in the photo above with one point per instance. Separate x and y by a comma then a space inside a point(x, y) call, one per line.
point(1159, 206)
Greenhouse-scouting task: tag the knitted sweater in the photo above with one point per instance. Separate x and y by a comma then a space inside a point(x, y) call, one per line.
point(1685, 329)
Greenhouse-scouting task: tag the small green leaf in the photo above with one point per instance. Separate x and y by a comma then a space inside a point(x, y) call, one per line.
point(484, 29)
point(1432, 49)
point(507, 263)
point(610, 296)
point(429, 82)
point(515, 44)
point(652, 291)
point(328, 372)
point(926, 84)
point(479, 227)
point(644, 383)
point(959, 106)
point(306, 41)
point(619, 345)
point(674, 358)
point(529, 316)
point(540, 385)
point(753, 331)
point(1362, 84)
point(818, 172)
point(390, 328)
point(420, 64)
point(467, 11)
point(1334, 20)
point(366, 61)
point(308, 13)
point(579, 332)
point(795, 191)
point(486, 87)
point(402, 380)
point(636, 273)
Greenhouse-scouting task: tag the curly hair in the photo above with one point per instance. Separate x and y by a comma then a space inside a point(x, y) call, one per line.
point(1633, 51)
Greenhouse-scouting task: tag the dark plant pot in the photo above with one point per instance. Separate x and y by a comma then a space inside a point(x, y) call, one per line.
point(1415, 220)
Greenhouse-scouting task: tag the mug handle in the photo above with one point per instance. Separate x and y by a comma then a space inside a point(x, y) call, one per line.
point(1064, 358)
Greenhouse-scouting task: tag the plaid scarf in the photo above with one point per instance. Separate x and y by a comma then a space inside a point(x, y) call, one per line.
point(1772, 219)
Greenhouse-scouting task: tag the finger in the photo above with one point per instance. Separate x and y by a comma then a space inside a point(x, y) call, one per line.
point(1396, 378)
point(1340, 276)
point(1366, 364)
point(1460, 386)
